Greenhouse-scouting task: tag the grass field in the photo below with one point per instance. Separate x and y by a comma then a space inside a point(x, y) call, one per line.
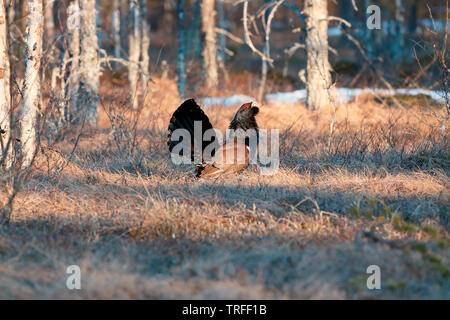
point(374, 192)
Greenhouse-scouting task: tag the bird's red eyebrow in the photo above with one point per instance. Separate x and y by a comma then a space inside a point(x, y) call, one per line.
point(245, 106)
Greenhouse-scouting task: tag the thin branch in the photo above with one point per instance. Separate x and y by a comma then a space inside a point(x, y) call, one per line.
point(341, 20)
point(229, 35)
point(247, 38)
point(290, 52)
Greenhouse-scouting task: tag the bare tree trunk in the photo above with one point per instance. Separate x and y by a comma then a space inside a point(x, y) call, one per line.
point(221, 36)
point(145, 45)
point(168, 16)
point(209, 49)
point(181, 49)
point(17, 13)
point(73, 27)
point(266, 52)
point(400, 29)
point(32, 90)
point(222, 39)
point(89, 61)
point(318, 68)
point(262, 85)
point(116, 27)
point(5, 94)
point(194, 37)
point(11, 11)
point(134, 49)
point(412, 24)
point(49, 21)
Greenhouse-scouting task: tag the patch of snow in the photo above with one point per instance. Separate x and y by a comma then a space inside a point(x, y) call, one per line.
point(338, 95)
point(344, 95)
point(234, 100)
point(334, 32)
point(287, 97)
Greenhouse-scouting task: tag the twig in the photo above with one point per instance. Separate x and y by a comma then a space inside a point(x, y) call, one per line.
point(247, 38)
point(371, 66)
point(229, 35)
point(341, 20)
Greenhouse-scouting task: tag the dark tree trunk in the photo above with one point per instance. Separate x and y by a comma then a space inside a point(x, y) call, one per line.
point(181, 49)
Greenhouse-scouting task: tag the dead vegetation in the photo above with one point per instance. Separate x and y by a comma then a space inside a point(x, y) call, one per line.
point(139, 227)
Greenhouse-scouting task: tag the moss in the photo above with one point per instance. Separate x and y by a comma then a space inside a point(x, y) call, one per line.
point(443, 244)
point(396, 285)
point(431, 231)
point(437, 264)
point(386, 210)
point(370, 211)
point(401, 225)
point(420, 248)
point(355, 211)
point(358, 281)
point(368, 214)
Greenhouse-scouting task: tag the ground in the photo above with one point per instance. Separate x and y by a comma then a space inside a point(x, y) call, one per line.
point(374, 190)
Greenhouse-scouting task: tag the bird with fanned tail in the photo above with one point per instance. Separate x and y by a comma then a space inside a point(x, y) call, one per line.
point(233, 156)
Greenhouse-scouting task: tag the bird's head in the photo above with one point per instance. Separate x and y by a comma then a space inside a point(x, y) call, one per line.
point(247, 110)
point(245, 120)
point(246, 113)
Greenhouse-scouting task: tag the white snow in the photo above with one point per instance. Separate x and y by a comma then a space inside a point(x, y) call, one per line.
point(287, 97)
point(344, 95)
point(231, 101)
point(339, 96)
point(334, 32)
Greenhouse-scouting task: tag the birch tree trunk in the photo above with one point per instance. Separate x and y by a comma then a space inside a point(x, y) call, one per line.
point(181, 49)
point(266, 52)
point(134, 48)
point(222, 40)
point(89, 61)
point(116, 27)
point(145, 45)
point(49, 21)
point(209, 49)
point(73, 27)
point(5, 94)
point(32, 89)
point(221, 36)
point(318, 68)
point(11, 11)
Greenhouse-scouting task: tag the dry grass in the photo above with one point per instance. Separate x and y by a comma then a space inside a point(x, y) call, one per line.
point(139, 227)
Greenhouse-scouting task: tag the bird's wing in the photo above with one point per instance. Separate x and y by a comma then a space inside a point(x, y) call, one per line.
point(183, 118)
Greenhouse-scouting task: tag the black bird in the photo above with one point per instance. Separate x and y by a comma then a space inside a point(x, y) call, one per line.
point(231, 157)
point(2, 142)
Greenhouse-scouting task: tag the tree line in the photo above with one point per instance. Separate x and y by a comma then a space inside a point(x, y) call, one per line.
point(60, 43)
